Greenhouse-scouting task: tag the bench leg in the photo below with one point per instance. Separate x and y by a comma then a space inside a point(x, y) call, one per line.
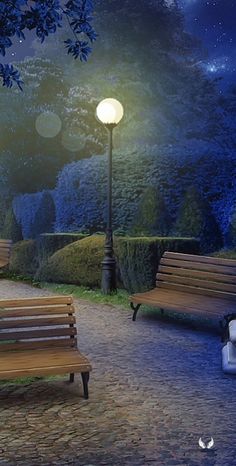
point(85, 379)
point(72, 378)
point(162, 311)
point(135, 309)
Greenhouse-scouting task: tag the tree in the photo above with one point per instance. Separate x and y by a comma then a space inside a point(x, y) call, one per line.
point(195, 219)
point(152, 217)
point(45, 18)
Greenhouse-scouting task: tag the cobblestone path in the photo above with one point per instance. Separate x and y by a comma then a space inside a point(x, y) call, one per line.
point(155, 389)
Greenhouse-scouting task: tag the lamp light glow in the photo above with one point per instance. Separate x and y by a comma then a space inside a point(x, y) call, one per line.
point(110, 111)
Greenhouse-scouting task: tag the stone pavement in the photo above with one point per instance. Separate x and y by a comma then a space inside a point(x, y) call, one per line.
point(156, 388)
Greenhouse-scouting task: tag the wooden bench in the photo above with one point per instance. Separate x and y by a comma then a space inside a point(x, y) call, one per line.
point(5, 251)
point(193, 284)
point(38, 337)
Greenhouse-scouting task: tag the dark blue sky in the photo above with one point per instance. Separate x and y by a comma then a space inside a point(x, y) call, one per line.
point(214, 22)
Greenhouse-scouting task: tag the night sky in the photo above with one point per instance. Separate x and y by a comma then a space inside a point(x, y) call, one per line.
point(212, 21)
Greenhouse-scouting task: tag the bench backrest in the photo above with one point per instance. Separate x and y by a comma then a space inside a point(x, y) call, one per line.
point(33, 323)
point(5, 251)
point(203, 275)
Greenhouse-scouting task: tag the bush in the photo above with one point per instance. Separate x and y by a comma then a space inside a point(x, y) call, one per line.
point(195, 219)
point(35, 213)
point(230, 238)
point(138, 258)
point(23, 260)
point(137, 261)
point(11, 228)
point(48, 243)
point(78, 263)
point(152, 217)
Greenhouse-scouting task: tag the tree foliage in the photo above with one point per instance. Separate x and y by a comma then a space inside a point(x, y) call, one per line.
point(44, 18)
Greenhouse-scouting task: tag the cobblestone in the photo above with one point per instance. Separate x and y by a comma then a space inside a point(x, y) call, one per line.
point(155, 389)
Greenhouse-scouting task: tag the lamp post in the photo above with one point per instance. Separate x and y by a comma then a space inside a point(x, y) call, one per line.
point(109, 112)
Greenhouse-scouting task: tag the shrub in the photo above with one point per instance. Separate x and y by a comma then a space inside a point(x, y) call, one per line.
point(138, 258)
point(48, 243)
point(78, 263)
point(152, 217)
point(137, 261)
point(23, 260)
point(230, 239)
point(196, 219)
point(11, 228)
point(35, 213)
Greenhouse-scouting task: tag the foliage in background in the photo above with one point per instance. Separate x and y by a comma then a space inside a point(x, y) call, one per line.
point(152, 217)
point(195, 219)
point(11, 228)
point(24, 258)
point(77, 263)
point(48, 243)
point(137, 260)
point(44, 18)
point(35, 213)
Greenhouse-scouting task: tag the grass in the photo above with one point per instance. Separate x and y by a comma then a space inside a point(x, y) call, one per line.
point(225, 254)
point(93, 295)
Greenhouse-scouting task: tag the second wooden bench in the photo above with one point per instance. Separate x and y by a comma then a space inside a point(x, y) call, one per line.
point(193, 284)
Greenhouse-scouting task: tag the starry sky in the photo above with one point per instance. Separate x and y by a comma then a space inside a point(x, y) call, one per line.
point(212, 21)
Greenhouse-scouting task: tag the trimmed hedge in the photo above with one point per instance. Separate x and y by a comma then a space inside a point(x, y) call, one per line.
point(48, 243)
point(11, 228)
point(138, 258)
point(24, 260)
point(78, 263)
point(137, 261)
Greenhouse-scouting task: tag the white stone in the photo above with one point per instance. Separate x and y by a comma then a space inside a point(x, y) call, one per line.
point(229, 358)
point(232, 331)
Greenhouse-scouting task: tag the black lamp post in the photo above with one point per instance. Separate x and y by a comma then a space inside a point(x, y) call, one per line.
point(110, 113)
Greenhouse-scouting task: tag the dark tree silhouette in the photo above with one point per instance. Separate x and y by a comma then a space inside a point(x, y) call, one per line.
point(45, 18)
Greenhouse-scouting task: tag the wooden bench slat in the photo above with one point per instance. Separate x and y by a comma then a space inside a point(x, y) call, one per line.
point(37, 311)
point(210, 276)
point(184, 302)
point(199, 259)
point(200, 266)
point(39, 301)
point(162, 277)
point(36, 344)
point(40, 322)
point(22, 335)
point(194, 290)
point(7, 242)
point(20, 364)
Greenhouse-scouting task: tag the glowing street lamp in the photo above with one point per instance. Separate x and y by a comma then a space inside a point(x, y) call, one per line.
point(109, 112)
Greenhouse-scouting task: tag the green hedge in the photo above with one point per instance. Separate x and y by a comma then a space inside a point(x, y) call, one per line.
point(78, 263)
point(49, 243)
point(24, 259)
point(11, 228)
point(137, 260)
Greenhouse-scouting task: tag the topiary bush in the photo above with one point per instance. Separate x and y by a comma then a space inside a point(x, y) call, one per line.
point(78, 263)
point(24, 259)
point(35, 213)
point(137, 261)
point(11, 228)
point(195, 218)
point(48, 243)
point(138, 258)
point(230, 238)
point(152, 217)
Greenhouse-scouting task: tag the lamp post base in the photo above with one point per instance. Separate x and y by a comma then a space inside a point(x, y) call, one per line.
point(109, 267)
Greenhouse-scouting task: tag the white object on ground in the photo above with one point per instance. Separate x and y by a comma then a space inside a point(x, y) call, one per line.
point(229, 358)
point(232, 331)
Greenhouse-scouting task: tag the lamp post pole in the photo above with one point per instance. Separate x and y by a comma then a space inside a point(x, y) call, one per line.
point(109, 262)
point(109, 112)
